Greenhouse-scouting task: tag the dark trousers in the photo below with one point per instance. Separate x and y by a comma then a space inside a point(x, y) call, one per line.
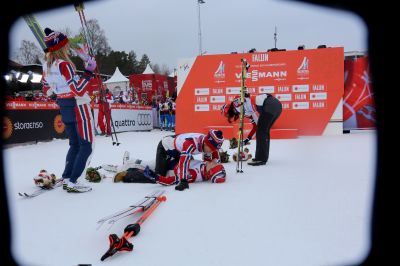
point(161, 160)
point(165, 160)
point(79, 148)
point(269, 112)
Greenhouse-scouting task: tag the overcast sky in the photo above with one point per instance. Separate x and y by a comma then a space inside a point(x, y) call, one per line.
point(167, 30)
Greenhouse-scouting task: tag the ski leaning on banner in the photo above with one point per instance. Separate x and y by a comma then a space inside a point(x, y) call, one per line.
point(146, 207)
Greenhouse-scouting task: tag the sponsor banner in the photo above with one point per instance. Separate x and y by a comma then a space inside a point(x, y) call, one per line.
point(233, 90)
point(298, 78)
point(284, 97)
point(318, 96)
point(129, 119)
point(201, 91)
point(300, 88)
point(29, 105)
point(266, 89)
point(300, 105)
point(217, 99)
point(201, 107)
point(21, 126)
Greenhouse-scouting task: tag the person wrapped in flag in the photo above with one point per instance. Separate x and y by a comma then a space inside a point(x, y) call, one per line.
point(60, 77)
point(179, 149)
point(262, 110)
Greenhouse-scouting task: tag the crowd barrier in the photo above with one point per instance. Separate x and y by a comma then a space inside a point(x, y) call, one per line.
point(27, 121)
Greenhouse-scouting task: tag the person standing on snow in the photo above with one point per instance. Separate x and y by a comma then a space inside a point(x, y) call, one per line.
point(59, 76)
point(268, 108)
point(179, 149)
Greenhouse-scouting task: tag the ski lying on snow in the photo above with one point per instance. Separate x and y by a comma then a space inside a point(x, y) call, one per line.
point(140, 206)
point(39, 191)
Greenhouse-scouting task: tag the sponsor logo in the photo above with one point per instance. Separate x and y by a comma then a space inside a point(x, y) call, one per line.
point(300, 96)
point(27, 125)
point(7, 128)
point(303, 69)
point(283, 89)
point(218, 91)
point(318, 96)
point(259, 57)
point(184, 67)
point(217, 107)
point(147, 85)
point(124, 123)
point(233, 90)
point(59, 126)
point(301, 105)
point(319, 104)
point(266, 89)
point(217, 99)
point(202, 99)
point(284, 97)
point(318, 87)
point(201, 107)
point(255, 75)
point(201, 91)
point(300, 88)
point(144, 119)
point(220, 72)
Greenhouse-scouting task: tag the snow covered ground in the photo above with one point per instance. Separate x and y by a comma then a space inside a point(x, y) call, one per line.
point(310, 205)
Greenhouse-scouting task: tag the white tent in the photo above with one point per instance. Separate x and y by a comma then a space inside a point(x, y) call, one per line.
point(148, 70)
point(117, 82)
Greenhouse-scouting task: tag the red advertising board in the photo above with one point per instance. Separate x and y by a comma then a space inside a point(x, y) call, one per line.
point(309, 83)
point(149, 85)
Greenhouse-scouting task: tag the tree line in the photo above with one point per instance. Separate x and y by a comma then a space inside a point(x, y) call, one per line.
point(107, 59)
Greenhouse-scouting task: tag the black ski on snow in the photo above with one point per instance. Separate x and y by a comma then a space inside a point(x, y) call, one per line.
point(39, 191)
point(140, 206)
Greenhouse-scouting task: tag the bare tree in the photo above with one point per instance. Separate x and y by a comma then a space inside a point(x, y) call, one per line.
point(165, 70)
point(156, 68)
point(29, 53)
point(97, 38)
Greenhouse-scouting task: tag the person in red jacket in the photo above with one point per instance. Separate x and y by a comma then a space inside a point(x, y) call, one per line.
point(105, 100)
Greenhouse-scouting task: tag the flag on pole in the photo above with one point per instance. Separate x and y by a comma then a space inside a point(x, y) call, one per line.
point(201, 1)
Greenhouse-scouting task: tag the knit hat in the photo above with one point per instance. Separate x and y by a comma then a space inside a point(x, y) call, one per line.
point(214, 139)
point(54, 40)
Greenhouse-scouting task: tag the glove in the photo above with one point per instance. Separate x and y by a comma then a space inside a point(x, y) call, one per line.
point(233, 143)
point(90, 64)
point(224, 156)
point(149, 174)
point(246, 141)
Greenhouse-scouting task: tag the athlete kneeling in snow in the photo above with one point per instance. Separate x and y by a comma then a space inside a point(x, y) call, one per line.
point(180, 148)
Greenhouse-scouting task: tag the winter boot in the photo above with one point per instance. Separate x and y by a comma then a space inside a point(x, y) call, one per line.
point(65, 183)
point(126, 157)
point(182, 185)
point(77, 187)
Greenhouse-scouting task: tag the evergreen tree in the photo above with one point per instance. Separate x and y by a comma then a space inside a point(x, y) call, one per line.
point(144, 61)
